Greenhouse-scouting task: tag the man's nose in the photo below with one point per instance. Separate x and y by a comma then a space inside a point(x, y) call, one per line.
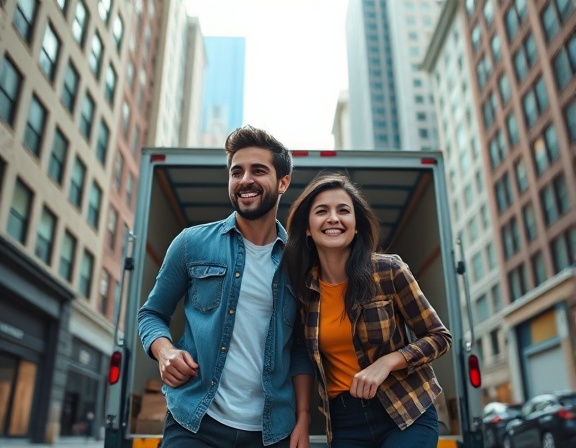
point(247, 179)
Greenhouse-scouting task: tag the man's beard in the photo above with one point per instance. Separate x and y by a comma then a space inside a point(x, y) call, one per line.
point(267, 202)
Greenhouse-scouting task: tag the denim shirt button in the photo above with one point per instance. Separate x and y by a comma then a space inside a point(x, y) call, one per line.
point(223, 348)
point(212, 383)
point(230, 311)
point(237, 274)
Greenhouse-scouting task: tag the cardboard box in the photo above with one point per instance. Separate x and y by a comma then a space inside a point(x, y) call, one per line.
point(153, 385)
point(147, 426)
point(152, 407)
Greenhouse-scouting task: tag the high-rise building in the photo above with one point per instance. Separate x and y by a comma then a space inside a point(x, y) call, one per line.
point(223, 101)
point(521, 55)
point(178, 80)
point(391, 106)
point(74, 97)
point(447, 62)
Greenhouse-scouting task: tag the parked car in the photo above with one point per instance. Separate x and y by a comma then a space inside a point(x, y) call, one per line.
point(547, 421)
point(495, 417)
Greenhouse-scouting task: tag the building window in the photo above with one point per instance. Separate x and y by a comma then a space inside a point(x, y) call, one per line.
point(560, 253)
point(538, 269)
point(104, 9)
point(112, 226)
point(497, 148)
point(45, 237)
point(136, 140)
point(482, 309)
point(563, 69)
point(488, 12)
point(545, 149)
point(102, 143)
point(77, 183)
point(86, 272)
point(35, 126)
point(483, 71)
point(10, 80)
point(570, 116)
point(86, 116)
point(550, 22)
point(517, 283)
point(503, 193)
point(129, 190)
point(530, 50)
point(530, 226)
point(496, 47)
point(476, 37)
point(496, 298)
point(48, 58)
point(58, 157)
point(473, 229)
point(555, 200)
point(510, 238)
point(80, 23)
point(66, 267)
point(520, 65)
point(104, 288)
point(494, 343)
point(125, 118)
point(94, 205)
point(70, 87)
point(95, 56)
point(477, 267)
point(521, 175)
point(512, 127)
point(504, 88)
point(511, 23)
point(110, 87)
point(118, 171)
point(491, 256)
point(20, 212)
point(118, 32)
point(24, 17)
point(534, 102)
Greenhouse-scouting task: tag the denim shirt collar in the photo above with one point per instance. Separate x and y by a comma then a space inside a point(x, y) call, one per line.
point(230, 224)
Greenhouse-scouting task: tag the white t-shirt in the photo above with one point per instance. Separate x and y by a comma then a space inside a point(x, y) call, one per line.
point(239, 400)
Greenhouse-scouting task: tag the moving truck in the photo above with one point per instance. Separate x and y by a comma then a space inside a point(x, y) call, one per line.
point(181, 187)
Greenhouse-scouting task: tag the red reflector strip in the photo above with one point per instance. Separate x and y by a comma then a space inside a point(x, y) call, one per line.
point(300, 153)
point(428, 161)
point(157, 158)
point(115, 365)
point(328, 153)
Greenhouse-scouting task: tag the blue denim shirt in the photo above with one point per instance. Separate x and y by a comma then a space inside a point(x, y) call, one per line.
point(204, 265)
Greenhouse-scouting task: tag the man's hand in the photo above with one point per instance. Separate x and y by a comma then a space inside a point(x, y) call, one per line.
point(176, 366)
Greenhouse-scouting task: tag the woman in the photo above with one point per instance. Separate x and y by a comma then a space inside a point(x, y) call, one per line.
point(375, 380)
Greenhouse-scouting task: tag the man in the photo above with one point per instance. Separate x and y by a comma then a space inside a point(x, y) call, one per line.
point(236, 378)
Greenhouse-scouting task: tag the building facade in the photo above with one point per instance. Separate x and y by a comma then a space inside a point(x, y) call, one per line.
point(522, 58)
point(69, 145)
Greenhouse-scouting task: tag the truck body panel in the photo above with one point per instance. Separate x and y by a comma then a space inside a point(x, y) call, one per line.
point(181, 187)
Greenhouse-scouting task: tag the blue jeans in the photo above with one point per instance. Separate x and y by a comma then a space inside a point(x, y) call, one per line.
point(212, 434)
point(358, 423)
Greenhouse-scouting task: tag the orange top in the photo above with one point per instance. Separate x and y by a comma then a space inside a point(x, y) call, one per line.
point(335, 339)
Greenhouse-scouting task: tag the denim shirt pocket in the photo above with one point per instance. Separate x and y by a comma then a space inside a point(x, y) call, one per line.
point(206, 286)
point(290, 306)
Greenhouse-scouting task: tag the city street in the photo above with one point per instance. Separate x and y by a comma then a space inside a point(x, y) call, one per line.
point(67, 442)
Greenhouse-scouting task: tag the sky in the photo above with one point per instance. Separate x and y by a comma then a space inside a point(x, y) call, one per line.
point(295, 62)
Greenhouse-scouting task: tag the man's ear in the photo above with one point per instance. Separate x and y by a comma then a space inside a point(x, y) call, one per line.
point(284, 183)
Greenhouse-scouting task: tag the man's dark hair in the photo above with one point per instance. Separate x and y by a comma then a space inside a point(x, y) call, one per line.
point(247, 136)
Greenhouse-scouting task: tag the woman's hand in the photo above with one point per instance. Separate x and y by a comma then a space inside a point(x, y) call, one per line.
point(366, 382)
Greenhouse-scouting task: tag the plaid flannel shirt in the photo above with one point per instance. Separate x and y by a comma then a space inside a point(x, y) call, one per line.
point(379, 328)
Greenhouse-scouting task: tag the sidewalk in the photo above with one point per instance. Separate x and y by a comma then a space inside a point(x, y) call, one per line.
point(65, 442)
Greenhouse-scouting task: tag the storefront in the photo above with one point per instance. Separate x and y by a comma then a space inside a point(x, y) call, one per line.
point(34, 343)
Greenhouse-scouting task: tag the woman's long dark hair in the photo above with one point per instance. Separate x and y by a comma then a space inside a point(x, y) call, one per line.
point(300, 253)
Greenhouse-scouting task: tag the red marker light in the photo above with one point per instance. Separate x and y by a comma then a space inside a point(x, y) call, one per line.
point(115, 366)
point(155, 158)
point(474, 371)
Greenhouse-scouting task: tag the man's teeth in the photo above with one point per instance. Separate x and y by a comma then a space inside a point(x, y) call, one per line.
point(248, 195)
